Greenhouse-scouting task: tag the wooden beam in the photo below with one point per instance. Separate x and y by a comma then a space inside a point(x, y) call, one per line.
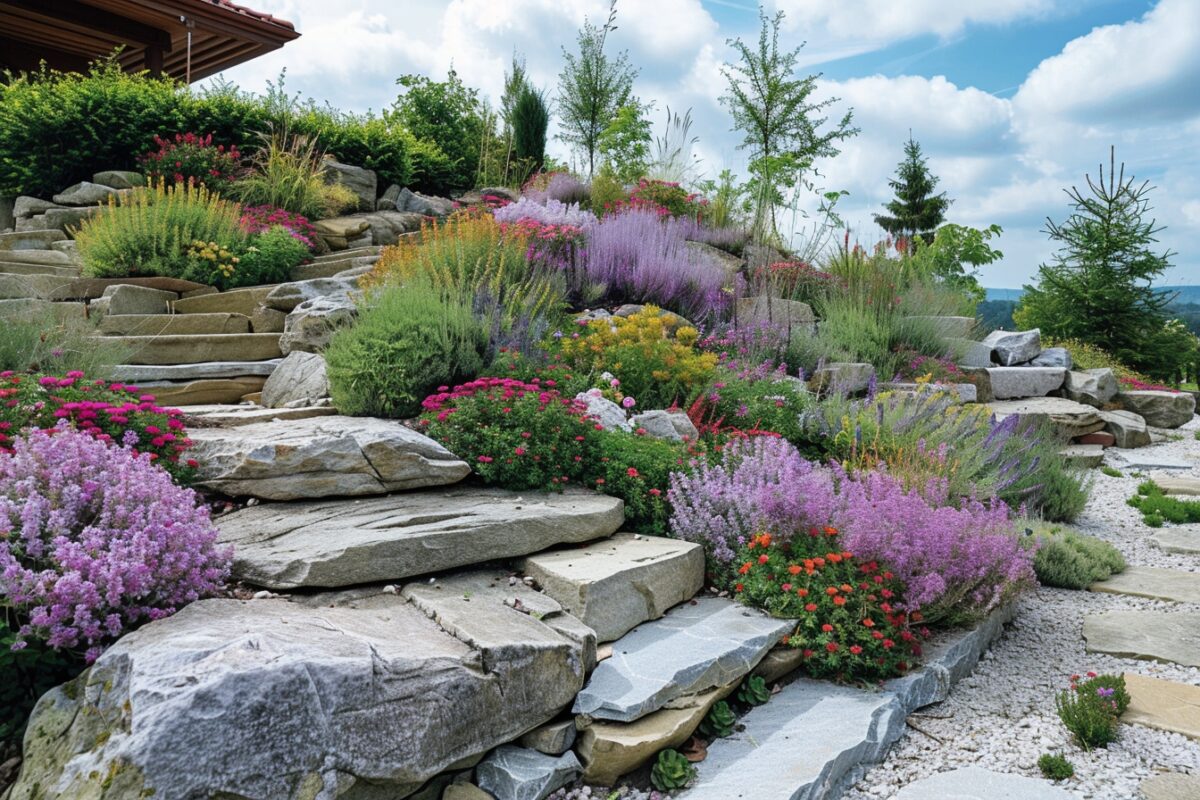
point(20, 56)
point(91, 17)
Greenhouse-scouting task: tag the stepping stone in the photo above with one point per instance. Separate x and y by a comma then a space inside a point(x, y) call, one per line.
point(1071, 419)
point(1014, 382)
point(617, 584)
point(1184, 539)
point(203, 391)
point(321, 457)
point(135, 373)
point(164, 350)
point(215, 415)
point(1146, 460)
point(234, 301)
point(330, 268)
point(1171, 786)
point(29, 240)
point(1149, 635)
point(517, 773)
point(346, 542)
point(697, 646)
point(1084, 456)
point(1153, 582)
point(173, 324)
point(976, 783)
point(1179, 485)
point(1163, 705)
point(267, 689)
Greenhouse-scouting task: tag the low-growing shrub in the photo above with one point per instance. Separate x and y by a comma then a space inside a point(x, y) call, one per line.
point(1055, 767)
point(848, 624)
point(188, 158)
point(1090, 710)
point(637, 469)
point(270, 256)
point(110, 412)
point(516, 435)
point(409, 338)
point(749, 401)
point(95, 540)
point(664, 198)
point(260, 219)
point(1157, 507)
point(1071, 560)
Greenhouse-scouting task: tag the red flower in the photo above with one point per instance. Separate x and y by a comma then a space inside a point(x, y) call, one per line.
point(832, 647)
point(764, 558)
point(839, 601)
point(811, 607)
point(827, 628)
point(855, 649)
point(631, 472)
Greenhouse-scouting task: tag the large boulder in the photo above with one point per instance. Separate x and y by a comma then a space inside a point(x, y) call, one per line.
point(286, 296)
point(119, 179)
point(762, 310)
point(1128, 429)
point(673, 426)
point(26, 206)
point(275, 699)
point(1010, 348)
point(839, 376)
point(321, 457)
point(1008, 383)
point(1071, 419)
point(84, 193)
point(300, 380)
point(607, 414)
point(1160, 409)
point(1053, 357)
point(310, 326)
point(384, 227)
point(357, 179)
point(425, 205)
point(1096, 387)
point(349, 542)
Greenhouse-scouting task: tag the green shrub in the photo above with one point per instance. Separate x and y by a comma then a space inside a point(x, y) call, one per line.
point(1055, 767)
point(1157, 507)
point(748, 401)
point(607, 193)
point(408, 339)
point(1091, 710)
point(1071, 560)
point(373, 142)
point(637, 469)
point(150, 231)
point(270, 257)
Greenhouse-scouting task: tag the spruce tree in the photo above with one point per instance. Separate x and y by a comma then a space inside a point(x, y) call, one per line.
point(530, 119)
point(1098, 287)
point(916, 211)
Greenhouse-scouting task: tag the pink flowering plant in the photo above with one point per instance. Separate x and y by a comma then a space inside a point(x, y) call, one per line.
point(260, 219)
point(109, 412)
point(516, 434)
point(95, 539)
point(664, 198)
point(191, 158)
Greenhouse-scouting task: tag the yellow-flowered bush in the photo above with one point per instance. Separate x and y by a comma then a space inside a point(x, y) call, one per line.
point(653, 362)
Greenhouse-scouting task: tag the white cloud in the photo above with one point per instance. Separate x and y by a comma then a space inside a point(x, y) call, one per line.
point(884, 21)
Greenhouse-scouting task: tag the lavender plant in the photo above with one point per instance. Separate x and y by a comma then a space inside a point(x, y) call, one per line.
point(94, 540)
point(551, 212)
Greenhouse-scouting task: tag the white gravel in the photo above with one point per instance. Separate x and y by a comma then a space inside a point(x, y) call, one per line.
point(1002, 717)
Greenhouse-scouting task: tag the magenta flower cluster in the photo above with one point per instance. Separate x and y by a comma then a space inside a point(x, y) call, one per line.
point(260, 219)
point(95, 539)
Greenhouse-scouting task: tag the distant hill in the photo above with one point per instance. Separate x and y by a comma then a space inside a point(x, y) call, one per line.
point(996, 311)
point(1004, 294)
point(1187, 293)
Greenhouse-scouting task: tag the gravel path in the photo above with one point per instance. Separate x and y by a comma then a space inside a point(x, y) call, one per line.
point(1002, 717)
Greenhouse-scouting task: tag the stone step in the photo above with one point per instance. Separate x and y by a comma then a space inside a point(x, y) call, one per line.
point(92, 288)
point(43, 287)
point(207, 390)
point(1069, 418)
point(977, 783)
point(30, 240)
point(1164, 705)
point(137, 373)
point(330, 268)
point(25, 268)
point(1083, 456)
point(356, 252)
point(44, 258)
point(1171, 786)
point(1153, 582)
point(173, 324)
point(617, 584)
point(234, 301)
point(347, 542)
point(224, 416)
point(1151, 635)
point(816, 737)
point(1183, 539)
point(171, 350)
point(321, 457)
point(700, 645)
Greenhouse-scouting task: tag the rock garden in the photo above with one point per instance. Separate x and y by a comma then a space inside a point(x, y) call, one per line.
point(322, 479)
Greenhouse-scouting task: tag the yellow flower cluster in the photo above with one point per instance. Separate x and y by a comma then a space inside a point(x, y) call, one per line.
point(222, 259)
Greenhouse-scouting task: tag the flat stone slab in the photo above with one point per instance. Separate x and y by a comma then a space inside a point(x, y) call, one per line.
point(134, 373)
point(1148, 459)
point(163, 350)
point(346, 542)
point(173, 324)
point(91, 288)
point(1015, 382)
point(1180, 485)
point(815, 737)
point(215, 415)
point(517, 773)
point(1164, 705)
point(1149, 635)
point(274, 699)
point(976, 783)
point(1171, 786)
point(699, 645)
point(22, 268)
point(1183, 539)
point(30, 240)
point(207, 390)
point(1153, 582)
point(303, 459)
point(1070, 418)
point(617, 584)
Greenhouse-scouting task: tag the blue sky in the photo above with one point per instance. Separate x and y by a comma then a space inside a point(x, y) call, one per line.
point(1012, 100)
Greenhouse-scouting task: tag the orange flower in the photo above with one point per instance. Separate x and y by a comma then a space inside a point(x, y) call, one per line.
point(830, 530)
point(870, 623)
point(834, 558)
point(820, 562)
point(831, 590)
point(811, 607)
point(802, 592)
point(847, 587)
point(744, 568)
point(794, 569)
point(847, 554)
point(839, 601)
point(808, 563)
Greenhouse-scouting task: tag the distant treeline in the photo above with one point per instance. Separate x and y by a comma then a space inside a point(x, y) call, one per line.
point(997, 314)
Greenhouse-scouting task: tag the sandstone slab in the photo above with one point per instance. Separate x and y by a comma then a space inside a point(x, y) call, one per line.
point(300, 380)
point(29, 240)
point(976, 783)
point(518, 773)
point(1171, 786)
point(1151, 635)
point(125, 299)
point(167, 350)
point(1095, 387)
point(1153, 582)
point(216, 415)
point(1128, 429)
point(1164, 705)
point(616, 584)
point(203, 391)
point(234, 301)
point(1159, 409)
point(46, 258)
point(136, 373)
point(1010, 348)
point(1069, 418)
point(310, 327)
point(344, 542)
point(1184, 539)
point(1083, 456)
point(697, 646)
point(276, 699)
point(173, 324)
point(1178, 485)
point(267, 320)
point(92, 288)
point(27, 268)
point(321, 457)
point(1009, 383)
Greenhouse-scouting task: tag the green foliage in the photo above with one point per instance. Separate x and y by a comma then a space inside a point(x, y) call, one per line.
point(33, 341)
point(409, 338)
point(379, 143)
point(916, 211)
point(624, 144)
point(449, 114)
point(607, 193)
point(955, 255)
point(730, 402)
point(1157, 507)
point(1088, 356)
point(1098, 289)
point(516, 85)
point(671, 771)
point(1112, 472)
point(728, 200)
point(27, 674)
point(530, 120)
point(753, 691)
point(779, 121)
point(150, 230)
point(289, 174)
point(719, 722)
point(1055, 767)
point(1071, 560)
point(637, 469)
point(270, 257)
point(591, 88)
point(1091, 710)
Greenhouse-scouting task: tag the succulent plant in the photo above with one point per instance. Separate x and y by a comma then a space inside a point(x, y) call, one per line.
point(753, 691)
point(671, 771)
point(719, 722)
